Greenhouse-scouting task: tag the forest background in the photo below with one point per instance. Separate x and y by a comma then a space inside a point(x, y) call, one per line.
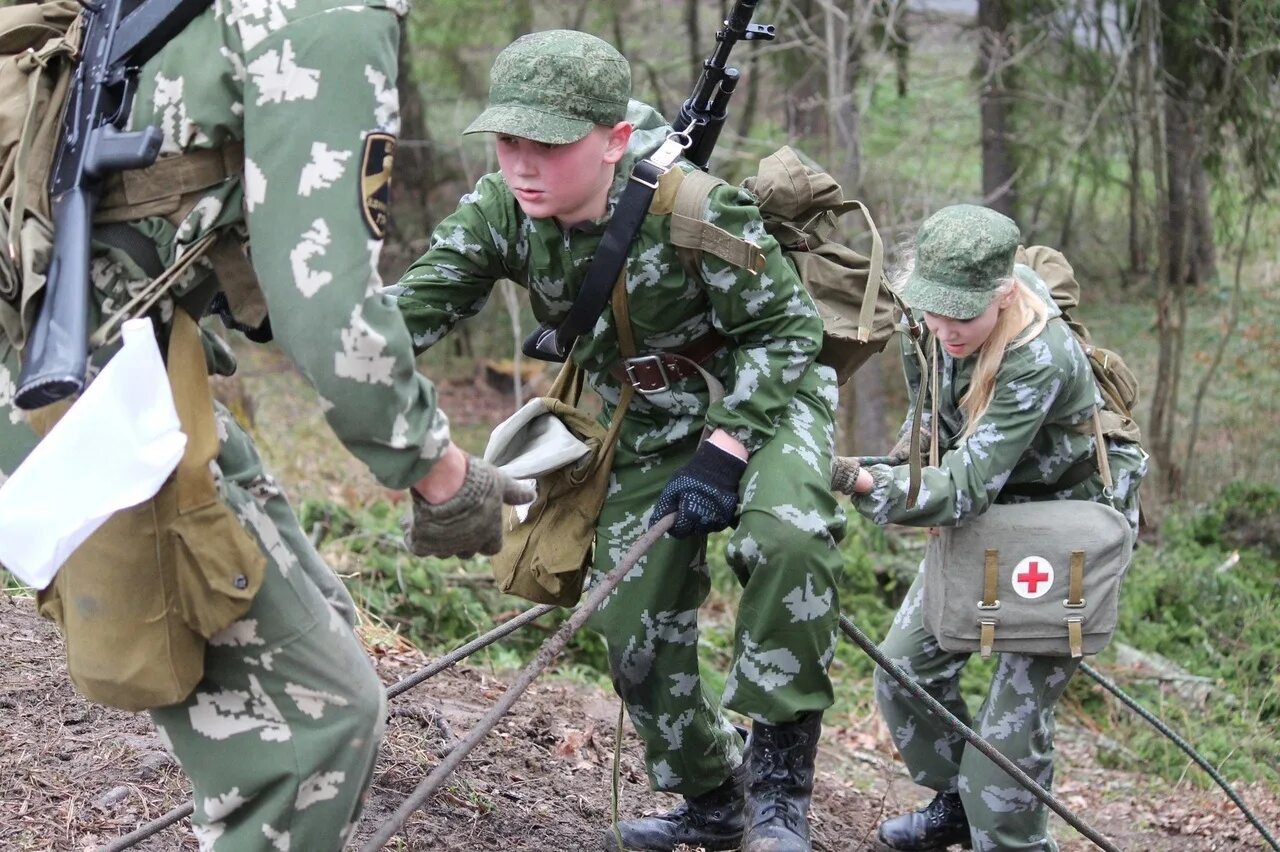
point(1138, 136)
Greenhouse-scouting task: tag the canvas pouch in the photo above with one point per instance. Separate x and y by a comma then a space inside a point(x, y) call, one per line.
point(546, 552)
point(138, 599)
point(1034, 578)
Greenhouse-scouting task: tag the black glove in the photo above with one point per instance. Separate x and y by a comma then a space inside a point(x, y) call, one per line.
point(703, 494)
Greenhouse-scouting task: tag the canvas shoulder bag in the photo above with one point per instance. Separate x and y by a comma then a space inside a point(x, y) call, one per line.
point(1035, 578)
point(546, 552)
point(1039, 578)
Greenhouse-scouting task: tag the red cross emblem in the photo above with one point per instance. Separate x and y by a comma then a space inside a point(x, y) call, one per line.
point(1032, 577)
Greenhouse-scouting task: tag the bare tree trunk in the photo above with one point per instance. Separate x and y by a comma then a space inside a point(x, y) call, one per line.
point(521, 18)
point(1176, 151)
point(411, 168)
point(998, 190)
point(1204, 253)
point(694, 35)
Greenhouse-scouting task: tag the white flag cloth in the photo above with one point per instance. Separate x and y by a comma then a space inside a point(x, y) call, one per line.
point(113, 449)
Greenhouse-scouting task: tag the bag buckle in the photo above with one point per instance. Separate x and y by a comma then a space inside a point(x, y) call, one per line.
point(1070, 604)
point(993, 605)
point(653, 366)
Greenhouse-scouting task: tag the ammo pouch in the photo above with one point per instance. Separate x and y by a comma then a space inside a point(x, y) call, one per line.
point(1033, 578)
point(139, 598)
point(546, 557)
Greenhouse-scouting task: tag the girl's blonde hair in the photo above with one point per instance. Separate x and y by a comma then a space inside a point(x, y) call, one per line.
point(1016, 325)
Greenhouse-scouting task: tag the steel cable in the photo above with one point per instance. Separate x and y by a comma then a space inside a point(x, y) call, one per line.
point(1186, 747)
point(549, 651)
point(970, 736)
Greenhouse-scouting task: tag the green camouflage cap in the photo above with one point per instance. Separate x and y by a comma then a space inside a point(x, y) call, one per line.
point(554, 86)
point(963, 252)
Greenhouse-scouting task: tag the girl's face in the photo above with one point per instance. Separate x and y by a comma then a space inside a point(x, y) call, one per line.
point(962, 338)
point(569, 183)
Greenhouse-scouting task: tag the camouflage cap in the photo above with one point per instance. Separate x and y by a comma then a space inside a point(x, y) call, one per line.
point(554, 86)
point(963, 253)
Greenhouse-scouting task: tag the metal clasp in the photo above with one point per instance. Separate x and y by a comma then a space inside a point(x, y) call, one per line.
point(1076, 605)
point(646, 361)
point(996, 605)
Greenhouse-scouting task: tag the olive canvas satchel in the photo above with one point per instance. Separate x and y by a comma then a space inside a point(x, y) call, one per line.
point(1034, 578)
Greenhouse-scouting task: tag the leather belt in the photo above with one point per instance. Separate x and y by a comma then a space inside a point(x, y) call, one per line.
point(656, 372)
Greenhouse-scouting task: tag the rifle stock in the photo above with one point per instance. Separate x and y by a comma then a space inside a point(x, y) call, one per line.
point(53, 363)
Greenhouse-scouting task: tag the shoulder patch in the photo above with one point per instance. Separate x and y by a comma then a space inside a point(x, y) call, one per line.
point(375, 181)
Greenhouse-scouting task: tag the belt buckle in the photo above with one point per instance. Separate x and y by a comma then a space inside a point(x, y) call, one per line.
point(630, 365)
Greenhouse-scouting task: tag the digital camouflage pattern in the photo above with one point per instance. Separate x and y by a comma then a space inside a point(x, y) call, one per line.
point(1036, 427)
point(1017, 717)
point(778, 403)
point(1034, 430)
point(963, 254)
point(554, 86)
point(279, 738)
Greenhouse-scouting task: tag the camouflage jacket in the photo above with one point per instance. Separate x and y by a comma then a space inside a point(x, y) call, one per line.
point(309, 88)
point(1037, 426)
point(771, 325)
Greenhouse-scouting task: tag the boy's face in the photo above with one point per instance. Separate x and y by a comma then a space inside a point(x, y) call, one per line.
point(569, 183)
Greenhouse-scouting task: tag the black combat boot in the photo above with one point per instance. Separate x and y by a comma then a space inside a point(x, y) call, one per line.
point(780, 784)
point(712, 820)
point(933, 828)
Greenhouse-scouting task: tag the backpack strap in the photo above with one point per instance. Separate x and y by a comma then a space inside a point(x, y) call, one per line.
point(691, 231)
point(159, 189)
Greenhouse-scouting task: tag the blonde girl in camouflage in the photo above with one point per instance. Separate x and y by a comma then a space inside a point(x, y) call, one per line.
point(566, 140)
point(1014, 388)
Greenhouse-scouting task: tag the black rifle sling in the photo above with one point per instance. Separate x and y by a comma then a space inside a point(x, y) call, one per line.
point(553, 343)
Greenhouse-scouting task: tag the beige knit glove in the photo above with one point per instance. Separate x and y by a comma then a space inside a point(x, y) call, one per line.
point(844, 474)
point(470, 521)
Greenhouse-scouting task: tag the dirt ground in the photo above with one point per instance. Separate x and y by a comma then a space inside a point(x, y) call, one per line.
point(74, 775)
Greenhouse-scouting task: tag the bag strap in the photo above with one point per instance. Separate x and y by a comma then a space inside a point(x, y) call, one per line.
point(37, 63)
point(189, 379)
point(690, 229)
point(626, 345)
point(553, 343)
point(159, 188)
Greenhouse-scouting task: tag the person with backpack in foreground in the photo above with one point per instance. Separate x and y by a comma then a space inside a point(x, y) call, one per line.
point(1011, 397)
point(279, 123)
point(567, 135)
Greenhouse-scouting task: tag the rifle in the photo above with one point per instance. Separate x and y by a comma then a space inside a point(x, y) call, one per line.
point(702, 115)
point(694, 134)
point(92, 146)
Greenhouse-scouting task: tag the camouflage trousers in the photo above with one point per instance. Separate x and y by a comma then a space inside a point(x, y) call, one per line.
point(280, 736)
point(784, 553)
point(1017, 717)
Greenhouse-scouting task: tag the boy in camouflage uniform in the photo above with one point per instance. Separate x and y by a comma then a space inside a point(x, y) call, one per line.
point(566, 140)
point(280, 736)
point(1027, 438)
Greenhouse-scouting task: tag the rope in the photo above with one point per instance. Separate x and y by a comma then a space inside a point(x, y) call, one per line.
point(971, 737)
point(550, 650)
point(1184, 745)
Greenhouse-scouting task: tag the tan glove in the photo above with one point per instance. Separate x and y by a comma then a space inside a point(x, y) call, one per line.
point(844, 474)
point(470, 521)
